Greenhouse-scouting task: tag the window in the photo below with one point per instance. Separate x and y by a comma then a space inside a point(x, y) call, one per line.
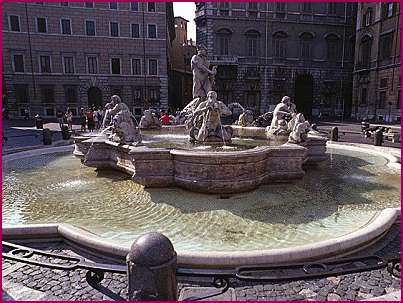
point(70, 93)
point(252, 9)
point(114, 29)
point(363, 95)
point(252, 46)
point(151, 6)
point(382, 100)
point(280, 10)
point(367, 18)
point(90, 27)
point(48, 94)
point(66, 26)
point(68, 64)
point(152, 67)
point(136, 66)
point(115, 66)
point(21, 93)
point(306, 45)
point(113, 5)
point(307, 7)
point(45, 64)
point(366, 45)
point(41, 25)
point(386, 42)
point(89, 4)
point(92, 63)
point(332, 43)
point(64, 3)
point(136, 91)
point(389, 10)
point(134, 6)
point(135, 30)
point(223, 43)
point(332, 8)
point(383, 83)
point(152, 31)
point(154, 94)
point(15, 23)
point(19, 63)
point(279, 45)
point(223, 8)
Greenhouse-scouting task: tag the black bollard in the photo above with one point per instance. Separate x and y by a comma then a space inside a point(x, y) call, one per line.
point(47, 136)
point(65, 132)
point(151, 269)
point(334, 134)
point(378, 137)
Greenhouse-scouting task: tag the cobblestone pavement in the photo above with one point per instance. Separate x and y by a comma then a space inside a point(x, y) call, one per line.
point(71, 285)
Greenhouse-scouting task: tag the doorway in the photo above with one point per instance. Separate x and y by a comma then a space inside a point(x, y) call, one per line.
point(304, 94)
point(94, 97)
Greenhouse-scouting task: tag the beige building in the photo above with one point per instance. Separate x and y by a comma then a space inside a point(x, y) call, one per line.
point(77, 54)
point(376, 93)
point(181, 74)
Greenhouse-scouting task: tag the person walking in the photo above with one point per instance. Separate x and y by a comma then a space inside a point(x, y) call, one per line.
point(59, 116)
point(83, 120)
point(95, 117)
point(90, 120)
point(69, 119)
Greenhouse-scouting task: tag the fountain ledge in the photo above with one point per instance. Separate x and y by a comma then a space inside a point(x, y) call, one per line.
point(94, 244)
point(203, 171)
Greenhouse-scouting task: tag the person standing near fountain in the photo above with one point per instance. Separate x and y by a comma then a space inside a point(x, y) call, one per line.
point(203, 77)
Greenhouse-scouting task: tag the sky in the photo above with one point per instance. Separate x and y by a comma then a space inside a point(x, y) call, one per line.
point(187, 11)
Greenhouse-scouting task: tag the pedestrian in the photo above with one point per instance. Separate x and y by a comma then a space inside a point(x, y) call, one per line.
point(100, 117)
point(90, 120)
point(69, 119)
point(83, 120)
point(95, 117)
point(26, 113)
point(59, 116)
point(165, 120)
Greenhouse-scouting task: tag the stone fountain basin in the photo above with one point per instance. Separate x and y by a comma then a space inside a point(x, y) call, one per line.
point(203, 171)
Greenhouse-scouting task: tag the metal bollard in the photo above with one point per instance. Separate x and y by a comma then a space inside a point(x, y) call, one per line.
point(47, 136)
point(378, 137)
point(334, 134)
point(65, 132)
point(151, 269)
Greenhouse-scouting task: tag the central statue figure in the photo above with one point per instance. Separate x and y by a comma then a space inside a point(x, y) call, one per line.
point(203, 77)
point(206, 121)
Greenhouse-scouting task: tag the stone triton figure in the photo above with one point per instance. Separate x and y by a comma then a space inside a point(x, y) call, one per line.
point(206, 121)
point(203, 77)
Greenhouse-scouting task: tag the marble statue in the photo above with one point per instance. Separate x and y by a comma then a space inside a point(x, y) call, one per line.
point(206, 121)
point(203, 77)
point(280, 112)
point(107, 117)
point(245, 119)
point(149, 120)
point(122, 126)
point(300, 129)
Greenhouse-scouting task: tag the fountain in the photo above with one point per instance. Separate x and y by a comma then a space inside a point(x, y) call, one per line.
point(225, 195)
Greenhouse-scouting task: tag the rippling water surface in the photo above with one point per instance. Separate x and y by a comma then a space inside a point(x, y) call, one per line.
point(333, 199)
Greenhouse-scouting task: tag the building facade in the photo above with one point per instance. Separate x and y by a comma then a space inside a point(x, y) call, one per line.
point(181, 76)
point(77, 54)
point(267, 50)
point(376, 93)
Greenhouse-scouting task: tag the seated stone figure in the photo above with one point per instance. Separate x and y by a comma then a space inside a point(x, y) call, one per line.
point(300, 130)
point(206, 121)
point(281, 111)
point(122, 127)
point(149, 120)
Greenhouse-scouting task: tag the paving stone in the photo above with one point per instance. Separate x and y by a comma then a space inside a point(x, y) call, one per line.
point(333, 297)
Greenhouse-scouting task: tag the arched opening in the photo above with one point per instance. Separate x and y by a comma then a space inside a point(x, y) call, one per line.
point(304, 94)
point(94, 97)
